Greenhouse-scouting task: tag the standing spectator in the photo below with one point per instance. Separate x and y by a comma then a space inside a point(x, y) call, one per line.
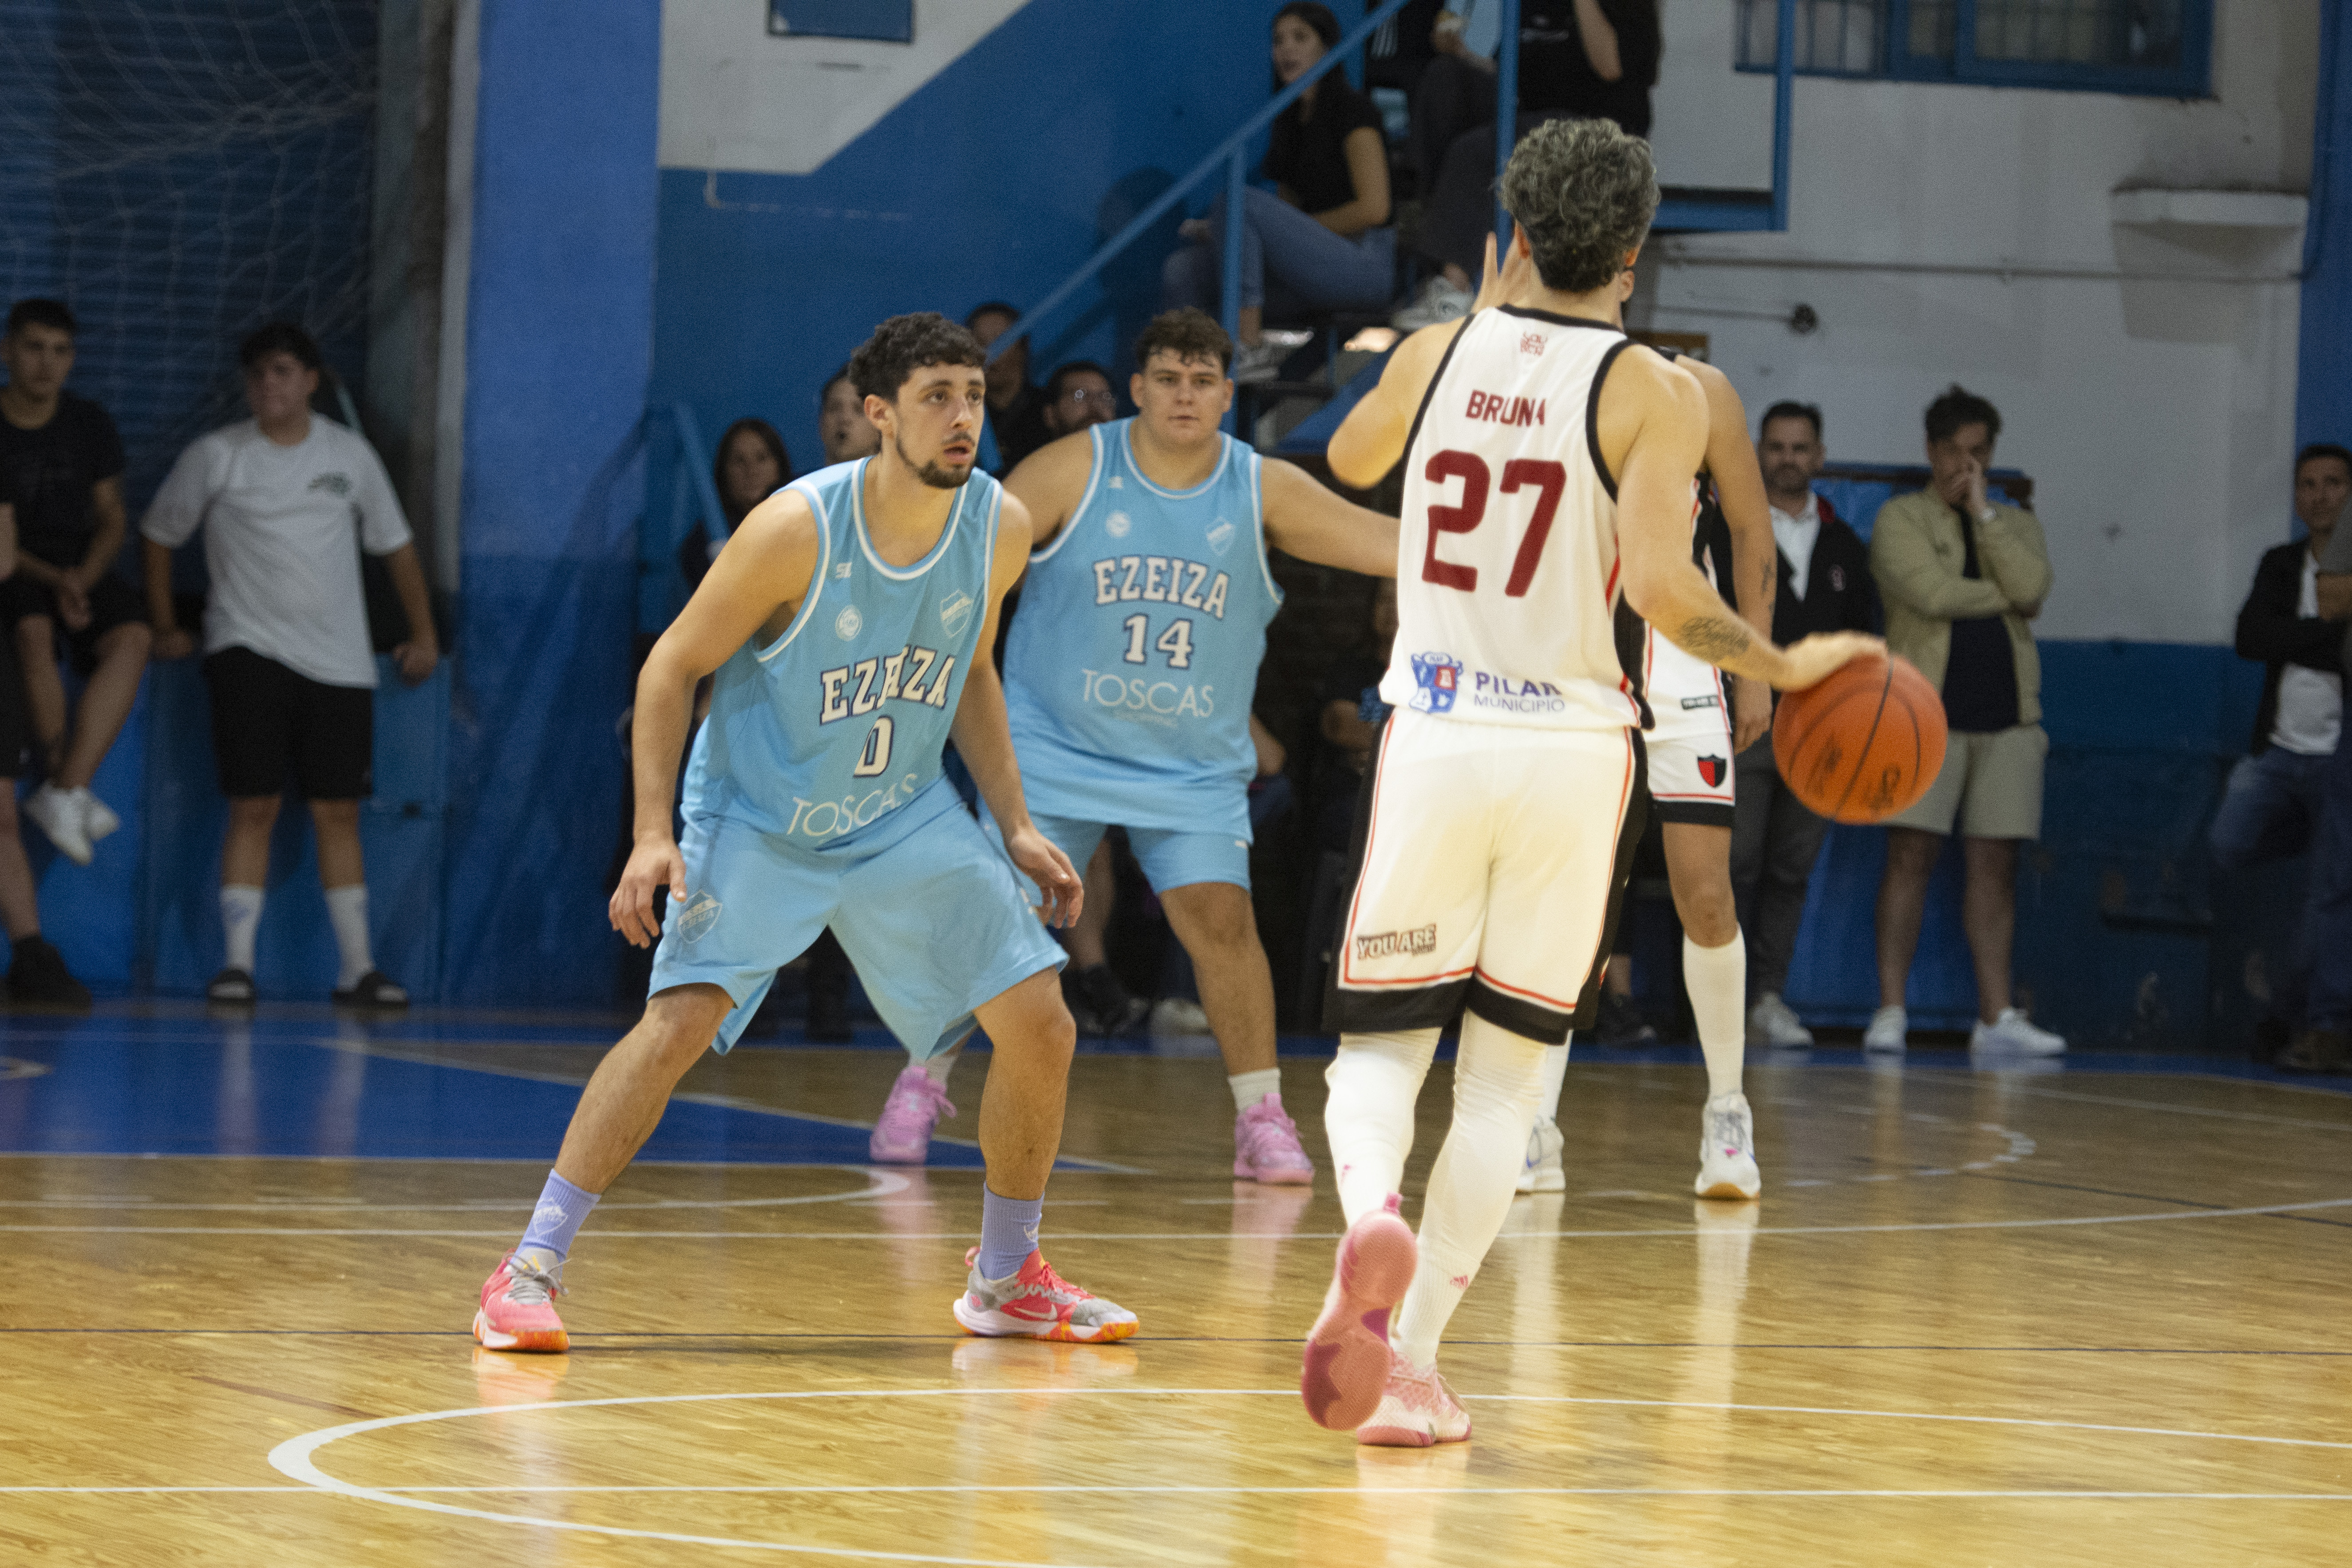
point(286, 638)
point(1078, 395)
point(1321, 241)
point(1579, 59)
point(1016, 410)
point(1825, 587)
point(36, 970)
point(1961, 579)
point(842, 426)
point(61, 467)
point(2272, 807)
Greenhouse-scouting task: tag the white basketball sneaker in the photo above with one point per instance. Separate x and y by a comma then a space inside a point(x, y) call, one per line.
point(2012, 1033)
point(1416, 1411)
point(1889, 1028)
point(1541, 1172)
point(1772, 1022)
point(1727, 1150)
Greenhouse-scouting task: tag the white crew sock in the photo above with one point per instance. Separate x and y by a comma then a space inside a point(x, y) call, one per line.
point(1555, 1073)
point(240, 915)
point(1496, 1077)
point(347, 908)
point(1368, 1116)
point(1249, 1088)
point(1717, 979)
point(938, 1064)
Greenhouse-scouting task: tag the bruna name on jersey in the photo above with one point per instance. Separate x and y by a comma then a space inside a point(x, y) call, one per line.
point(1497, 409)
point(911, 675)
point(1162, 580)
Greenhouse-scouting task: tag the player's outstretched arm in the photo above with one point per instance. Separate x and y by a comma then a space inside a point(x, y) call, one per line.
point(1317, 523)
point(1050, 482)
point(1372, 439)
point(756, 584)
point(984, 738)
point(1748, 511)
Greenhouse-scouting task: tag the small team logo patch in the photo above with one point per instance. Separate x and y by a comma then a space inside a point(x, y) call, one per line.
point(849, 623)
point(841, 571)
point(1117, 524)
point(956, 613)
point(1712, 770)
point(1221, 536)
point(1531, 344)
point(1691, 702)
point(1437, 677)
point(700, 915)
point(1398, 943)
point(333, 484)
point(1117, 483)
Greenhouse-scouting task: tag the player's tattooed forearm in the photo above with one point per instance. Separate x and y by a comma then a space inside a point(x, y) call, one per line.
point(1712, 638)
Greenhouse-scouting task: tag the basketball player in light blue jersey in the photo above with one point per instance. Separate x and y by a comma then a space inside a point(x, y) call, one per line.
point(848, 621)
point(1130, 669)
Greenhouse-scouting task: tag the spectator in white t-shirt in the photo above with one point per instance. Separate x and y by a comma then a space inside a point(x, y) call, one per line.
point(287, 502)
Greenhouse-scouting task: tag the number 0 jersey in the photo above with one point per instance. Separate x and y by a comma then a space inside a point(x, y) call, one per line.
point(1507, 563)
point(1131, 662)
point(825, 736)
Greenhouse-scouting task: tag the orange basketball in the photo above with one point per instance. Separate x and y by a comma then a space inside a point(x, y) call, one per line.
point(1864, 744)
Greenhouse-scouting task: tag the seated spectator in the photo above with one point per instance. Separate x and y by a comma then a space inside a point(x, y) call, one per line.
point(1825, 586)
point(1078, 395)
point(36, 970)
point(2271, 805)
point(748, 465)
point(1016, 410)
point(286, 654)
point(1579, 59)
point(1321, 241)
point(2325, 1042)
point(1961, 579)
point(62, 466)
point(842, 426)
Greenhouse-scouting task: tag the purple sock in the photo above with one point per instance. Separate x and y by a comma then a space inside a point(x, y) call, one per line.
point(562, 1209)
point(1008, 1232)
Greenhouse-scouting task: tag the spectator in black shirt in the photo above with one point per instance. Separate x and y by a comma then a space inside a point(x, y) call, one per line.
point(1016, 410)
point(61, 467)
point(1078, 395)
point(1321, 242)
point(36, 970)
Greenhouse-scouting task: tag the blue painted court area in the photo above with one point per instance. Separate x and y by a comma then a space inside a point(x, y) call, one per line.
point(321, 1088)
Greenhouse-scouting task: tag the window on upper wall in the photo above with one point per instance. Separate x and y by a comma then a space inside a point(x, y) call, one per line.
point(2155, 47)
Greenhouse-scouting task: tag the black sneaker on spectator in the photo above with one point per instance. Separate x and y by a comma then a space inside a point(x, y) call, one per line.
point(38, 977)
point(1620, 1023)
point(1099, 1004)
point(374, 989)
point(232, 987)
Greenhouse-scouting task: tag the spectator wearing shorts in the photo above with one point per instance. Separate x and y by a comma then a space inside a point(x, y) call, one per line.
point(286, 652)
point(1961, 579)
point(38, 975)
point(62, 469)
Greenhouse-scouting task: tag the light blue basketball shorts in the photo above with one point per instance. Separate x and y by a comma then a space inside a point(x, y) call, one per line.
point(1170, 858)
point(935, 922)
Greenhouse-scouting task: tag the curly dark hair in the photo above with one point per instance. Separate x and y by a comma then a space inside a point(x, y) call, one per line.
point(278, 338)
point(1956, 406)
point(905, 344)
point(1188, 333)
point(1583, 192)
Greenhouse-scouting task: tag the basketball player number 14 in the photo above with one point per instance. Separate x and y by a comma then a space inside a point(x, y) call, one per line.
point(1176, 642)
point(1549, 480)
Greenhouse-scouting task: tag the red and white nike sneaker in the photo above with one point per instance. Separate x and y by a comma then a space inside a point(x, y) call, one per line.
point(1037, 1303)
point(1347, 1363)
point(1416, 1411)
point(518, 1309)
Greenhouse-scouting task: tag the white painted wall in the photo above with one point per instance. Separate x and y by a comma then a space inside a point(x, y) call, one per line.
point(2151, 391)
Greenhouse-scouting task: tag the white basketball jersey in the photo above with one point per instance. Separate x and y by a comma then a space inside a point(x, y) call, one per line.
point(1507, 566)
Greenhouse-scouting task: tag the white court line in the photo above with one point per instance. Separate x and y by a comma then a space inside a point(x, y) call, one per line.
point(878, 1185)
point(1250, 1491)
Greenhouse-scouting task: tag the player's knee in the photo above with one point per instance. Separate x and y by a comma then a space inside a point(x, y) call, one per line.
point(680, 1023)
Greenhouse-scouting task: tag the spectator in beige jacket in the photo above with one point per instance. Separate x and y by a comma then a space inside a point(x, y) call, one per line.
point(1960, 578)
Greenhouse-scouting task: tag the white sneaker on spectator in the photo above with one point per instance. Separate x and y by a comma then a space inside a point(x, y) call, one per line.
point(1887, 1031)
point(1438, 301)
point(58, 814)
point(1175, 1015)
point(2012, 1033)
point(1772, 1022)
point(1258, 362)
point(98, 819)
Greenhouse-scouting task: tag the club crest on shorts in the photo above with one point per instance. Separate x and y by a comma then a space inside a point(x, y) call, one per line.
point(702, 913)
point(1436, 678)
point(1712, 770)
point(956, 613)
point(1221, 536)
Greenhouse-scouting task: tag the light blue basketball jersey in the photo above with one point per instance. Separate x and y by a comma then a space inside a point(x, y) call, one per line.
point(1131, 662)
point(824, 737)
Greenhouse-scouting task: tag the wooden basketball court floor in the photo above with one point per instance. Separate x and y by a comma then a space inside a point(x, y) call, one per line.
point(2095, 1314)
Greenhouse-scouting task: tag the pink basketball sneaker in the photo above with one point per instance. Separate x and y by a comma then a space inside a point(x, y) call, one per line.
point(518, 1309)
point(1265, 1146)
point(1416, 1410)
point(903, 1136)
point(1348, 1352)
point(1039, 1304)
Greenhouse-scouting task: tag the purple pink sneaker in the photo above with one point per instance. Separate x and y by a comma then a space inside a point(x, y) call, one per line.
point(1348, 1356)
point(1265, 1146)
point(1416, 1411)
point(903, 1136)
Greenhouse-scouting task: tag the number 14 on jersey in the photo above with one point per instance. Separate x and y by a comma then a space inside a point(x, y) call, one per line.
point(1176, 642)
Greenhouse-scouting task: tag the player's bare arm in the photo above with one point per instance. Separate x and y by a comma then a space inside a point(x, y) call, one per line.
point(1653, 429)
point(753, 588)
point(1370, 440)
point(1317, 523)
point(1050, 482)
point(984, 736)
point(1755, 556)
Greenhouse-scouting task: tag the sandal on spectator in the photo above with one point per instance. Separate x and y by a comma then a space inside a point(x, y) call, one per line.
point(374, 989)
point(232, 987)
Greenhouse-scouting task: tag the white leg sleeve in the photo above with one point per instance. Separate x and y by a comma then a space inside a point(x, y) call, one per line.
point(1368, 1116)
point(1555, 1073)
point(1717, 979)
point(1497, 1078)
